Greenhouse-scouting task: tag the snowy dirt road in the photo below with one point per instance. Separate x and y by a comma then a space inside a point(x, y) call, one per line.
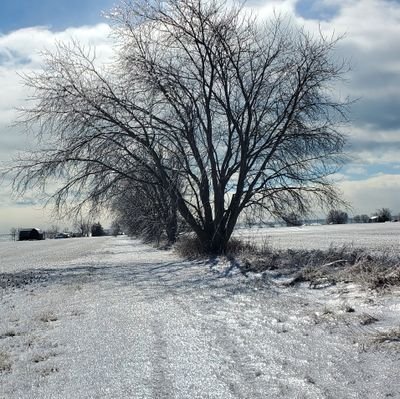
point(113, 318)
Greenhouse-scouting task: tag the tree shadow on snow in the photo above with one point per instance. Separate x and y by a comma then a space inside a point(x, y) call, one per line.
point(166, 277)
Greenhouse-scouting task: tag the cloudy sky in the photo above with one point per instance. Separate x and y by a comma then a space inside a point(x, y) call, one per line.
point(371, 44)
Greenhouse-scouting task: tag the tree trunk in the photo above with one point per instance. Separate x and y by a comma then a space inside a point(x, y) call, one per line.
point(171, 227)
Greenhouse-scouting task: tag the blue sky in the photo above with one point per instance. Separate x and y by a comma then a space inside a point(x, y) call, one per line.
point(369, 181)
point(316, 9)
point(56, 14)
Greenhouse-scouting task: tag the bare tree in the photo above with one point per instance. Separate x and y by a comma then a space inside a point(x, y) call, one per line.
point(97, 230)
point(241, 110)
point(52, 231)
point(336, 216)
point(384, 215)
point(292, 219)
point(146, 210)
point(13, 233)
point(361, 218)
point(83, 223)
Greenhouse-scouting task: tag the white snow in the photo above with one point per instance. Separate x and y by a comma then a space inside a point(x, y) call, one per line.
point(114, 318)
point(374, 236)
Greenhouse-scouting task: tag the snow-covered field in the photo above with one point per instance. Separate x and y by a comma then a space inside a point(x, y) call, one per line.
point(113, 318)
point(374, 236)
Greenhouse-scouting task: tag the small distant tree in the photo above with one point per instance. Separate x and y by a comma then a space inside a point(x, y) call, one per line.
point(97, 230)
point(52, 231)
point(336, 216)
point(83, 224)
point(146, 210)
point(384, 215)
point(361, 218)
point(13, 233)
point(116, 228)
point(292, 219)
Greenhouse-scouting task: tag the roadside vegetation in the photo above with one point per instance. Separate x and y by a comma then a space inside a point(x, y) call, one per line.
point(318, 268)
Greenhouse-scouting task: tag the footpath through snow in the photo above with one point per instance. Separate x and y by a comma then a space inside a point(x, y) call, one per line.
point(113, 318)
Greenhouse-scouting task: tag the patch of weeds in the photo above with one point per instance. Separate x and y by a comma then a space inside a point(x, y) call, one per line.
point(42, 358)
point(348, 309)
point(309, 380)
point(366, 319)
point(327, 315)
point(39, 358)
point(327, 311)
point(48, 317)
point(5, 362)
point(22, 279)
point(392, 335)
point(45, 372)
point(30, 343)
point(388, 337)
point(323, 268)
point(8, 334)
point(379, 274)
point(190, 247)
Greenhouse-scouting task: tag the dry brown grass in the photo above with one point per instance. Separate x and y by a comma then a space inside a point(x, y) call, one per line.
point(320, 268)
point(327, 267)
point(389, 338)
point(190, 247)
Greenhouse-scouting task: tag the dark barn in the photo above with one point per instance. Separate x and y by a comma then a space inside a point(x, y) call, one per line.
point(30, 234)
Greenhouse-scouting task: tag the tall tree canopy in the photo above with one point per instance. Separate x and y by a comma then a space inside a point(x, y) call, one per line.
point(224, 112)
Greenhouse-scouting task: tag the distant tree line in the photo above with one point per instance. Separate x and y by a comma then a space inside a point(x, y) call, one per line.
point(337, 216)
point(341, 217)
point(380, 216)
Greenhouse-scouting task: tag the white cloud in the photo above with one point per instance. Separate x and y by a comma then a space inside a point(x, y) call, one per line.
point(376, 192)
point(26, 44)
point(371, 45)
point(21, 53)
point(356, 170)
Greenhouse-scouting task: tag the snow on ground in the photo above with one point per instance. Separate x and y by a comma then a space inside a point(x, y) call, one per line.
point(375, 236)
point(113, 318)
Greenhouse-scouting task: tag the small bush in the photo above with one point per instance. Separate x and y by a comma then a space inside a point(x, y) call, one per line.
point(336, 216)
point(97, 230)
point(190, 247)
point(237, 247)
point(292, 219)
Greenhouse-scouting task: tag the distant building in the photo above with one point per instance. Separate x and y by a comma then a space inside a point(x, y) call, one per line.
point(30, 234)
